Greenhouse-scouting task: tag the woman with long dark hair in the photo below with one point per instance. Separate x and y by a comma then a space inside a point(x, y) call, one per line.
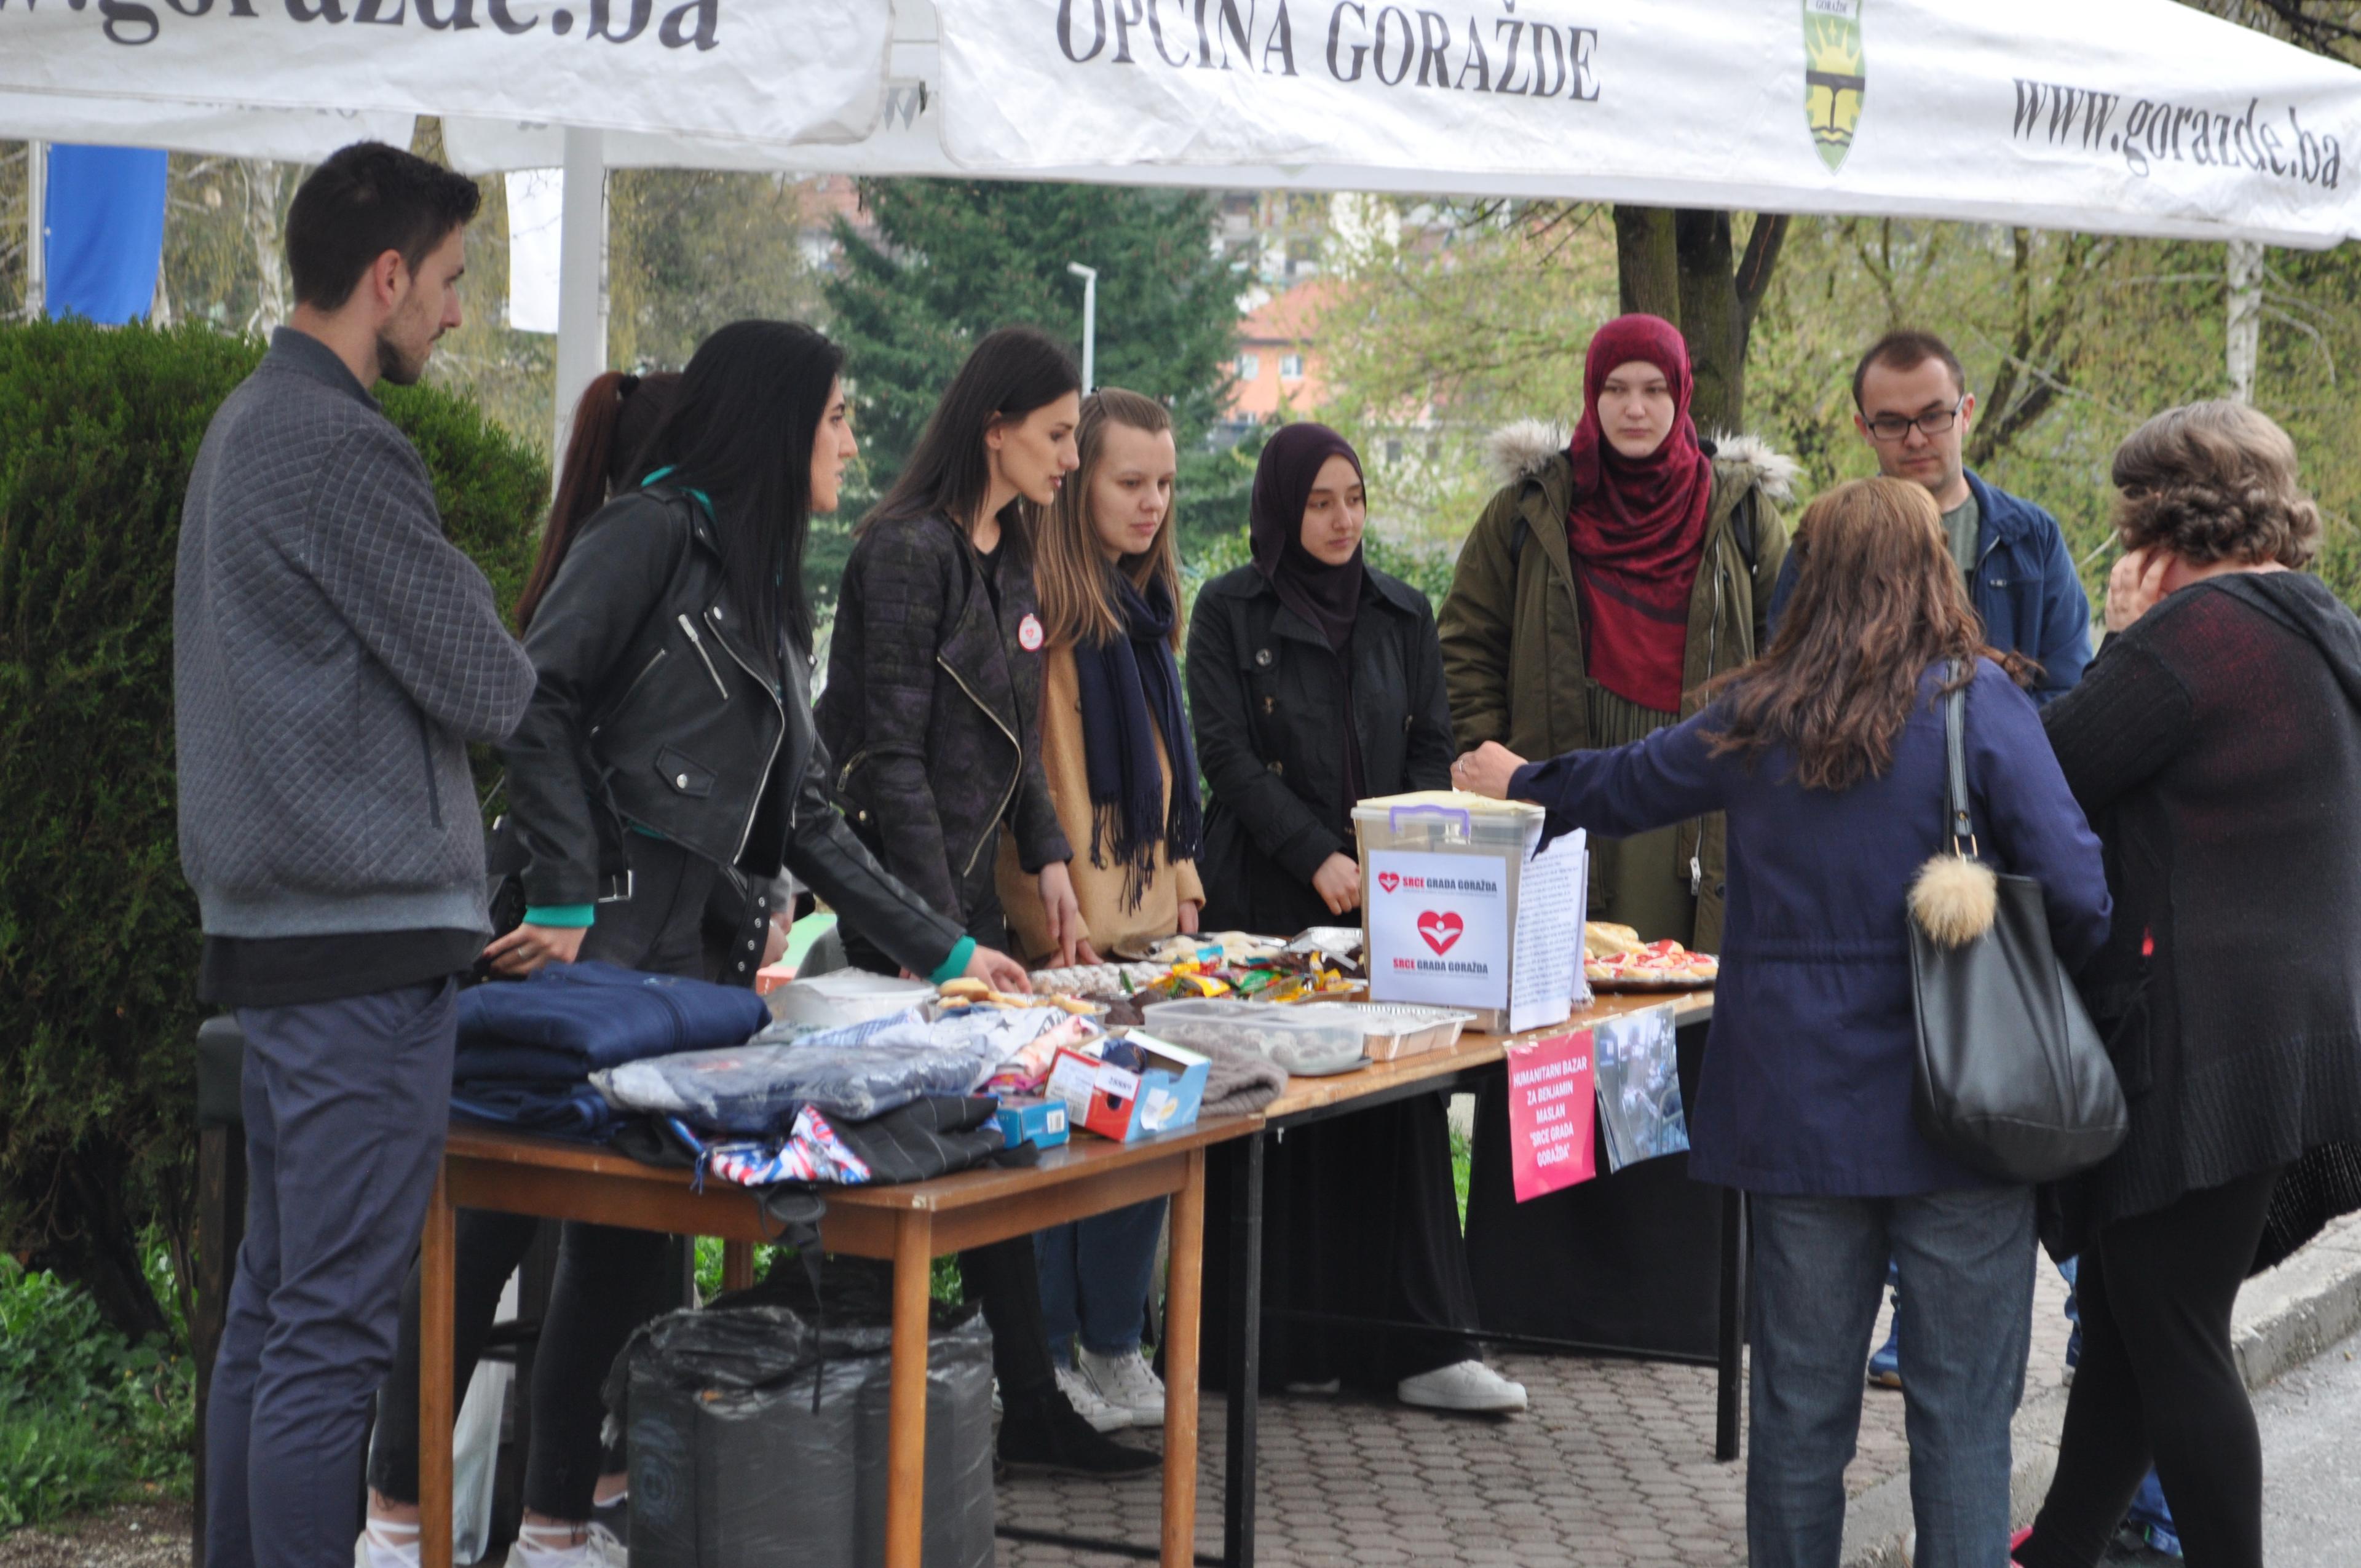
point(1827, 756)
point(933, 712)
point(1315, 682)
point(669, 753)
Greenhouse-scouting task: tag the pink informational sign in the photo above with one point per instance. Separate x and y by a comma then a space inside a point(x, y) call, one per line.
point(1550, 1120)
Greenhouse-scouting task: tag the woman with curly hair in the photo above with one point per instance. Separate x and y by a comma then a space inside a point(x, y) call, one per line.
point(2215, 743)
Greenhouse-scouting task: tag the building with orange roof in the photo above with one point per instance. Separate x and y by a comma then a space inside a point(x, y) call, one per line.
point(1279, 364)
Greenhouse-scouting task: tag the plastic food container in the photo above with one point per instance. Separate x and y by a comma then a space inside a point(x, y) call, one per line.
point(846, 996)
point(1449, 822)
point(1313, 1038)
point(1444, 840)
point(1394, 1030)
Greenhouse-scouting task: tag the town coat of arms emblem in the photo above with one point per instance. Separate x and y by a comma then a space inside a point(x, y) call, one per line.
point(1834, 75)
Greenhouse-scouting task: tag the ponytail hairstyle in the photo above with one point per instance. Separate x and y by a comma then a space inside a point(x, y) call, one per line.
point(611, 424)
point(1011, 373)
point(1069, 567)
point(741, 429)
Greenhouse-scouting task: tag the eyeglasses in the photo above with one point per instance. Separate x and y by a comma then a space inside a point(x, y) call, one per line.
point(1895, 427)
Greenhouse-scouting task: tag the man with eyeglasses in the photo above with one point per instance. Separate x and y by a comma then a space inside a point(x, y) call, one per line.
point(1912, 405)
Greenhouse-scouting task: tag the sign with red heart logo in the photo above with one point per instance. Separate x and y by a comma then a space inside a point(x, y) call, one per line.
point(1438, 927)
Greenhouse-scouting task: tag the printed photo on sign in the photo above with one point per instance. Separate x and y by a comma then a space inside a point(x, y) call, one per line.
point(1439, 928)
point(1639, 1076)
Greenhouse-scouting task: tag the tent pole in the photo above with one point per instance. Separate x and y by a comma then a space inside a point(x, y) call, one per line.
point(2246, 316)
point(37, 223)
point(581, 276)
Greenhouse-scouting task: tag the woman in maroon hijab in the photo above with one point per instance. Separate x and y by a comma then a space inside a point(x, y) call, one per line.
point(1612, 575)
point(1314, 682)
point(1615, 572)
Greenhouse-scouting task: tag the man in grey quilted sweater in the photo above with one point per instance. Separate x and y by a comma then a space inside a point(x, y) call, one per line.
point(332, 655)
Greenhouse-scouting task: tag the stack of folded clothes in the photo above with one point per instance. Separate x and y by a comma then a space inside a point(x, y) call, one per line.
point(889, 1099)
point(527, 1048)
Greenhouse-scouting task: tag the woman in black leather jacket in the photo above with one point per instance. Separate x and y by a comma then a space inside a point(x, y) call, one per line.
point(934, 706)
point(669, 748)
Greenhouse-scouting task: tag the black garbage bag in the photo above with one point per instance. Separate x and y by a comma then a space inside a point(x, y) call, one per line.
point(757, 1436)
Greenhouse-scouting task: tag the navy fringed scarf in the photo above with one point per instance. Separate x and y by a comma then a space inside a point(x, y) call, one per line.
point(1130, 689)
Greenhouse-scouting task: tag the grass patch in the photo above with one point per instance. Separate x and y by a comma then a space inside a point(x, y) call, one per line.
point(86, 1417)
point(1463, 1155)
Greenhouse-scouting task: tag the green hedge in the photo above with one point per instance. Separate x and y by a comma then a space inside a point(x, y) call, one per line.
point(98, 932)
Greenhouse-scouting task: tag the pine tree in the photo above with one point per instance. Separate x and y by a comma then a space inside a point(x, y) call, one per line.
point(954, 259)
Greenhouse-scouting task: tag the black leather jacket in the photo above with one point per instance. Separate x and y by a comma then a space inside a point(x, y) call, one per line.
point(653, 711)
point(934, 703)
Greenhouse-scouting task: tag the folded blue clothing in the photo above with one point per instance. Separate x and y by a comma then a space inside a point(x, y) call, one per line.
point(499, 1059)
point(593, 1014)
point(562, 1108)
point(754, 1090)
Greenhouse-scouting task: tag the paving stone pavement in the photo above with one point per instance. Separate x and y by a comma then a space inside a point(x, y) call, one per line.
point(1613, 1467)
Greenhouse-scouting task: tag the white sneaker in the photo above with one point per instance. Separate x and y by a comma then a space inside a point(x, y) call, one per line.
point(552, 1546)
point(1087, 1403)
point(1463, 1385)
point(385, 1544)
point(1127, 1383)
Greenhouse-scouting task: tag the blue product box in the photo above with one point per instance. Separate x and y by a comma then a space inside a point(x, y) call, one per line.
point(1041, 1123)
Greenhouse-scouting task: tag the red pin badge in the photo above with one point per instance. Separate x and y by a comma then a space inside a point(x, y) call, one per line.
point(1029, 634)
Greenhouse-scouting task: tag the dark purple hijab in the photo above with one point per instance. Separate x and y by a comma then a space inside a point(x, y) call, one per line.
point(1327, 597)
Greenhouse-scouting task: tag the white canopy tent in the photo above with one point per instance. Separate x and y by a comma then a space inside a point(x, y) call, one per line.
point(2137, 116)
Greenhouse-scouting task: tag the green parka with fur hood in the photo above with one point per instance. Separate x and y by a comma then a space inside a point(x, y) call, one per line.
point(1512, 649)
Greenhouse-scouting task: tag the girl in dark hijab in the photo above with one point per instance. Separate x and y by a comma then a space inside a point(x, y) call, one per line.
point(1314, 682)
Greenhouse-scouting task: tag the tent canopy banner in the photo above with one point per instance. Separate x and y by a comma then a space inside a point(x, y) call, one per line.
point(225, 130)
point(723, 71)
point(2138, 117)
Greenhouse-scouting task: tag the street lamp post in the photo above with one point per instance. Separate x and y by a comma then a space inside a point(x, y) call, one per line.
point(1090, 277)
point(36, 230)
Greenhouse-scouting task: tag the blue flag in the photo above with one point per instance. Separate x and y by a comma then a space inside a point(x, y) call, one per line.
point(106, 231)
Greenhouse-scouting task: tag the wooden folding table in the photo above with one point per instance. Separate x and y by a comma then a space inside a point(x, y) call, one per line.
point(1308, 1100)
point(912, 1224)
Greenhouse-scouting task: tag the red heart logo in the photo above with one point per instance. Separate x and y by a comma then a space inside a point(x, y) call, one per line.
point(1439, 930)
point(1388, 880)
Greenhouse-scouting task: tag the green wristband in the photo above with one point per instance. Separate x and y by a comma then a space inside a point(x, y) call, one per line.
point(561, 916)
point(962, 953)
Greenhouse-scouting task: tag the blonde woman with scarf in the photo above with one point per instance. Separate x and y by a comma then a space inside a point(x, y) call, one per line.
point(1122, 774)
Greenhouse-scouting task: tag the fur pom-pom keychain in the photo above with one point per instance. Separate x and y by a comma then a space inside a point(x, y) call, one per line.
point(1955, 899)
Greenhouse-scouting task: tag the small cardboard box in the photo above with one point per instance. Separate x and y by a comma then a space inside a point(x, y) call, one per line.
point(1142, 1086)
point(1041, 1123)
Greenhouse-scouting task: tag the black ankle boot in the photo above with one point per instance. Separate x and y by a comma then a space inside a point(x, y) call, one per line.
point(1044, 1433)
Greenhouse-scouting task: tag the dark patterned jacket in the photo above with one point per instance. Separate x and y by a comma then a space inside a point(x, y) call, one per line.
point(332, 655)
point(933, 709)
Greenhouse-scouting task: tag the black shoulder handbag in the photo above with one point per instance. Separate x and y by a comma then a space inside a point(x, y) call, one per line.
point(2012, 1079)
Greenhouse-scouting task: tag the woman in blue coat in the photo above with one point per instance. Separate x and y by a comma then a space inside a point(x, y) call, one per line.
point(1827, 756)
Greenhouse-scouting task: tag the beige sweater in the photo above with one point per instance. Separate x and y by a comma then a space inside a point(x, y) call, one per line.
point(1099, 889)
